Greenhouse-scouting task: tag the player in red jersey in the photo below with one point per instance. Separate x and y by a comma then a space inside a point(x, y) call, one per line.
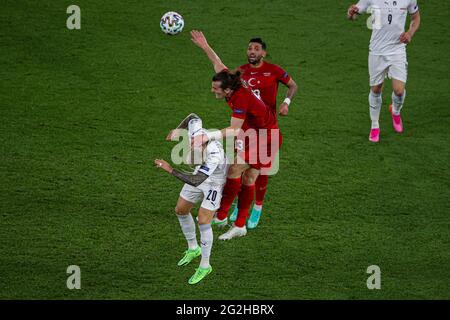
point(263, 79)
point(255, 128)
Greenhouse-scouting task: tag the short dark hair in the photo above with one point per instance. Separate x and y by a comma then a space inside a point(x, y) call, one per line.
point(260, 41)
point(229, 80)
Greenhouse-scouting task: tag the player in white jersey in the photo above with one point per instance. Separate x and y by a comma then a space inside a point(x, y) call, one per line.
point(387, 54)
point(205, 184)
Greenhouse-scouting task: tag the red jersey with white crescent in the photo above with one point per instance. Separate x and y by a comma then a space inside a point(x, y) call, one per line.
point(263, 81)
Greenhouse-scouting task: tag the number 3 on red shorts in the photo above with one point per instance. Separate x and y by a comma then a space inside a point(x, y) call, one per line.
point(239, 145)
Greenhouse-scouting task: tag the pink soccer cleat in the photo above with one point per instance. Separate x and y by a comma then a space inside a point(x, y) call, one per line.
point(396, 121)
point(374, 135)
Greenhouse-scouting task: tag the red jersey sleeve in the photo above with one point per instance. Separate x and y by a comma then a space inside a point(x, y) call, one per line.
point(240, 106)
point(239, 112)
point(281, 75)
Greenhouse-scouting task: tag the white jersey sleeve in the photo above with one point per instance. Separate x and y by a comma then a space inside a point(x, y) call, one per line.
point(413, 7)
point(363, 5)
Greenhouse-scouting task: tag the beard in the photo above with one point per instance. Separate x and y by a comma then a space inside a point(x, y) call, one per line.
point(254, 60)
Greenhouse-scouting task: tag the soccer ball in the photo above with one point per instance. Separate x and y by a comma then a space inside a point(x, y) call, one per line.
point(172, 23)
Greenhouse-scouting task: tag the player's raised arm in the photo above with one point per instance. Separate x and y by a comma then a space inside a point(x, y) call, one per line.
point(406, 37)
point(199, 39)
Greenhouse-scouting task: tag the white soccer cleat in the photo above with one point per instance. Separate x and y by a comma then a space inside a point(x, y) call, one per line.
point(234, 232)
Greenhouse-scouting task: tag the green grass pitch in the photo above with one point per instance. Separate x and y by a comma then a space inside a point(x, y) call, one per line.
point(85, 112)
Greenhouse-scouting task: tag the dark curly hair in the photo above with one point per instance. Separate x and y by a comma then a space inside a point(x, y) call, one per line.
point(260, 41)
point(228, 79)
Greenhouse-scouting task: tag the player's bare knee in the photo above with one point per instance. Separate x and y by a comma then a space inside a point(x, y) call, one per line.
point(234, 172)
point(203, 220)
point(180, 211)
point(205, 216)
point(377, 89)
point(249, 178)
point(399, 92)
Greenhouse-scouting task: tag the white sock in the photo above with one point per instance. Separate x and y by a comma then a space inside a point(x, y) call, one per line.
point(206, 240)
point(188, 227)
point(375, 101)
point(397, 102)
point(257, 207)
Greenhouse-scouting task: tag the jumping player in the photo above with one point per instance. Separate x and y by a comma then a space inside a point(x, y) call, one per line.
point(205, 185)
point(387, 54)
point(249, 115)
point(262, 78)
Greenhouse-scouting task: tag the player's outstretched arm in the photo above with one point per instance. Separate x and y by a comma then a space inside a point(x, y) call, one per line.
point(406, 37)
point(200, 40)
point(292, 90)
point(192, 179)
point(231, 131)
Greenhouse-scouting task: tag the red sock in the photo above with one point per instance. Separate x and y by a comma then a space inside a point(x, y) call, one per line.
point(245, 200)
point(230, 192)
point(260, 188)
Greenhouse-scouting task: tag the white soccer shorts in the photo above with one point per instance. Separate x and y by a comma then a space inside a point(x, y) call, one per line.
point(209, 194)
point(394, 66)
